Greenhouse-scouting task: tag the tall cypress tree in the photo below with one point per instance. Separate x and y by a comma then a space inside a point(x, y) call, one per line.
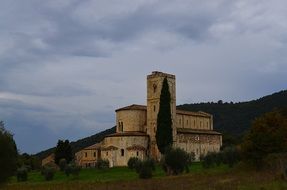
point(164, 123)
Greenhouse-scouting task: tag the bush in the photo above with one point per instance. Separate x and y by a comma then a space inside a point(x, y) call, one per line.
point(230, 156)
point(276, 164)
point(176, 161)
point(209, 160)
point(22, 174)
point(48, 173)
point(151, 163)
point(133, 162)
point(102, 164)
point(62, 164)
point(145, 171)
point(72, 169)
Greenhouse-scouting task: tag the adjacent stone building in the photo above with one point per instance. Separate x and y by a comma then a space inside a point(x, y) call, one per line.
point(136, 127)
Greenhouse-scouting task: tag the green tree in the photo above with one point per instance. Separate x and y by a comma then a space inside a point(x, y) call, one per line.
point(164, 122)
point(267, 135)
point(176, 160)
point(8, 154)
point(63, 150)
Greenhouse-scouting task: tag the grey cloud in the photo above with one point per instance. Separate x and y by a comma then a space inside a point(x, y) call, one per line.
point(66, 65)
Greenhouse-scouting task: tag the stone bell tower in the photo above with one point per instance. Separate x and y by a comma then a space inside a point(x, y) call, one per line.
point(154, 86)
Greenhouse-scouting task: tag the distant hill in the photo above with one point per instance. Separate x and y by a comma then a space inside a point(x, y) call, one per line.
point(82, 143)
point(231, 118)
point(235, 118)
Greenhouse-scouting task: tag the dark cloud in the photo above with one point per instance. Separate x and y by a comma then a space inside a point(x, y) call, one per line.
point(65, 66)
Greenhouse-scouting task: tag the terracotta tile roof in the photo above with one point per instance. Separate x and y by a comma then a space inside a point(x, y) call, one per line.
point(183, 112)
point(195, 131)
point(131, 133)
point(133, 107)
point(94, 146)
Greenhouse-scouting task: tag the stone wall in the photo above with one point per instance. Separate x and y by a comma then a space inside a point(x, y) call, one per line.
point(193, 122)
point(87, 158)
point(199, 144)
point(132, 120)
point(118, 150)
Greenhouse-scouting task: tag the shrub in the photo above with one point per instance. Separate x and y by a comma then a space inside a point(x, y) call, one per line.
point(176, 161)
point(48, 173)
point(132, 163)
point(62, 164)
point(22, 174)
point(102, 164)
point(230, 156)
point(72, 169)
point(209, 160)
point(276, 164)
point(151, 163)
point(145, 171)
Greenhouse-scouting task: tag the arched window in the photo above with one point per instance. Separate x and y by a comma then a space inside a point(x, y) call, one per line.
point(122, 152)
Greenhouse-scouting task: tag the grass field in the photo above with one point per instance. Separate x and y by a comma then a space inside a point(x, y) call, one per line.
point(122, 178)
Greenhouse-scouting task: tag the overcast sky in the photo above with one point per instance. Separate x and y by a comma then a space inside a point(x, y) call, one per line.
point(66, 65)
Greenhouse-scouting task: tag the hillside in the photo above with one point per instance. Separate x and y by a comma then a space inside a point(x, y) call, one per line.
point(236, 118)
point(82, 143)
point(230, 118)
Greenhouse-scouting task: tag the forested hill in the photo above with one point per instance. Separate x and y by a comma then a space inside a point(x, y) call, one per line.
point(231, 118)
point(82, 143)
point(236, 118)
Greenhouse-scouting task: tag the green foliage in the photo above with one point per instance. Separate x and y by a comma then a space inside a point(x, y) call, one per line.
point(276, 164)
point(22, 174)
point(235, 118)
point(63, 150)
point(133, 162)
point(266, 136)
point(102, 164)
point(72, 169)
point(48, 173)
point(230, 156)
point(31, 162)
point(164, 121)
point(145, 171)
point(62, 164)
point(8, 154)
point(143, 168)
point(209, 160)
point(175, 161)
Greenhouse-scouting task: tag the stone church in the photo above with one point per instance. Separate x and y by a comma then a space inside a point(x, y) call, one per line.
point(136, 127)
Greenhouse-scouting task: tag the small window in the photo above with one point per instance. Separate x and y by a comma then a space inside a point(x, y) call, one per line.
point(107, 153)
point(137, 153)
point(154, 88)
point(122, 152)
point(86, 154)
point(94, 154)
point(187, 122)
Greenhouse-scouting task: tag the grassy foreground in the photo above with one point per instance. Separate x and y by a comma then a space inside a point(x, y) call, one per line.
point(122, 178)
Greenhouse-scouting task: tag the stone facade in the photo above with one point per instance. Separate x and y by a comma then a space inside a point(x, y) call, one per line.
point(136, 127)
